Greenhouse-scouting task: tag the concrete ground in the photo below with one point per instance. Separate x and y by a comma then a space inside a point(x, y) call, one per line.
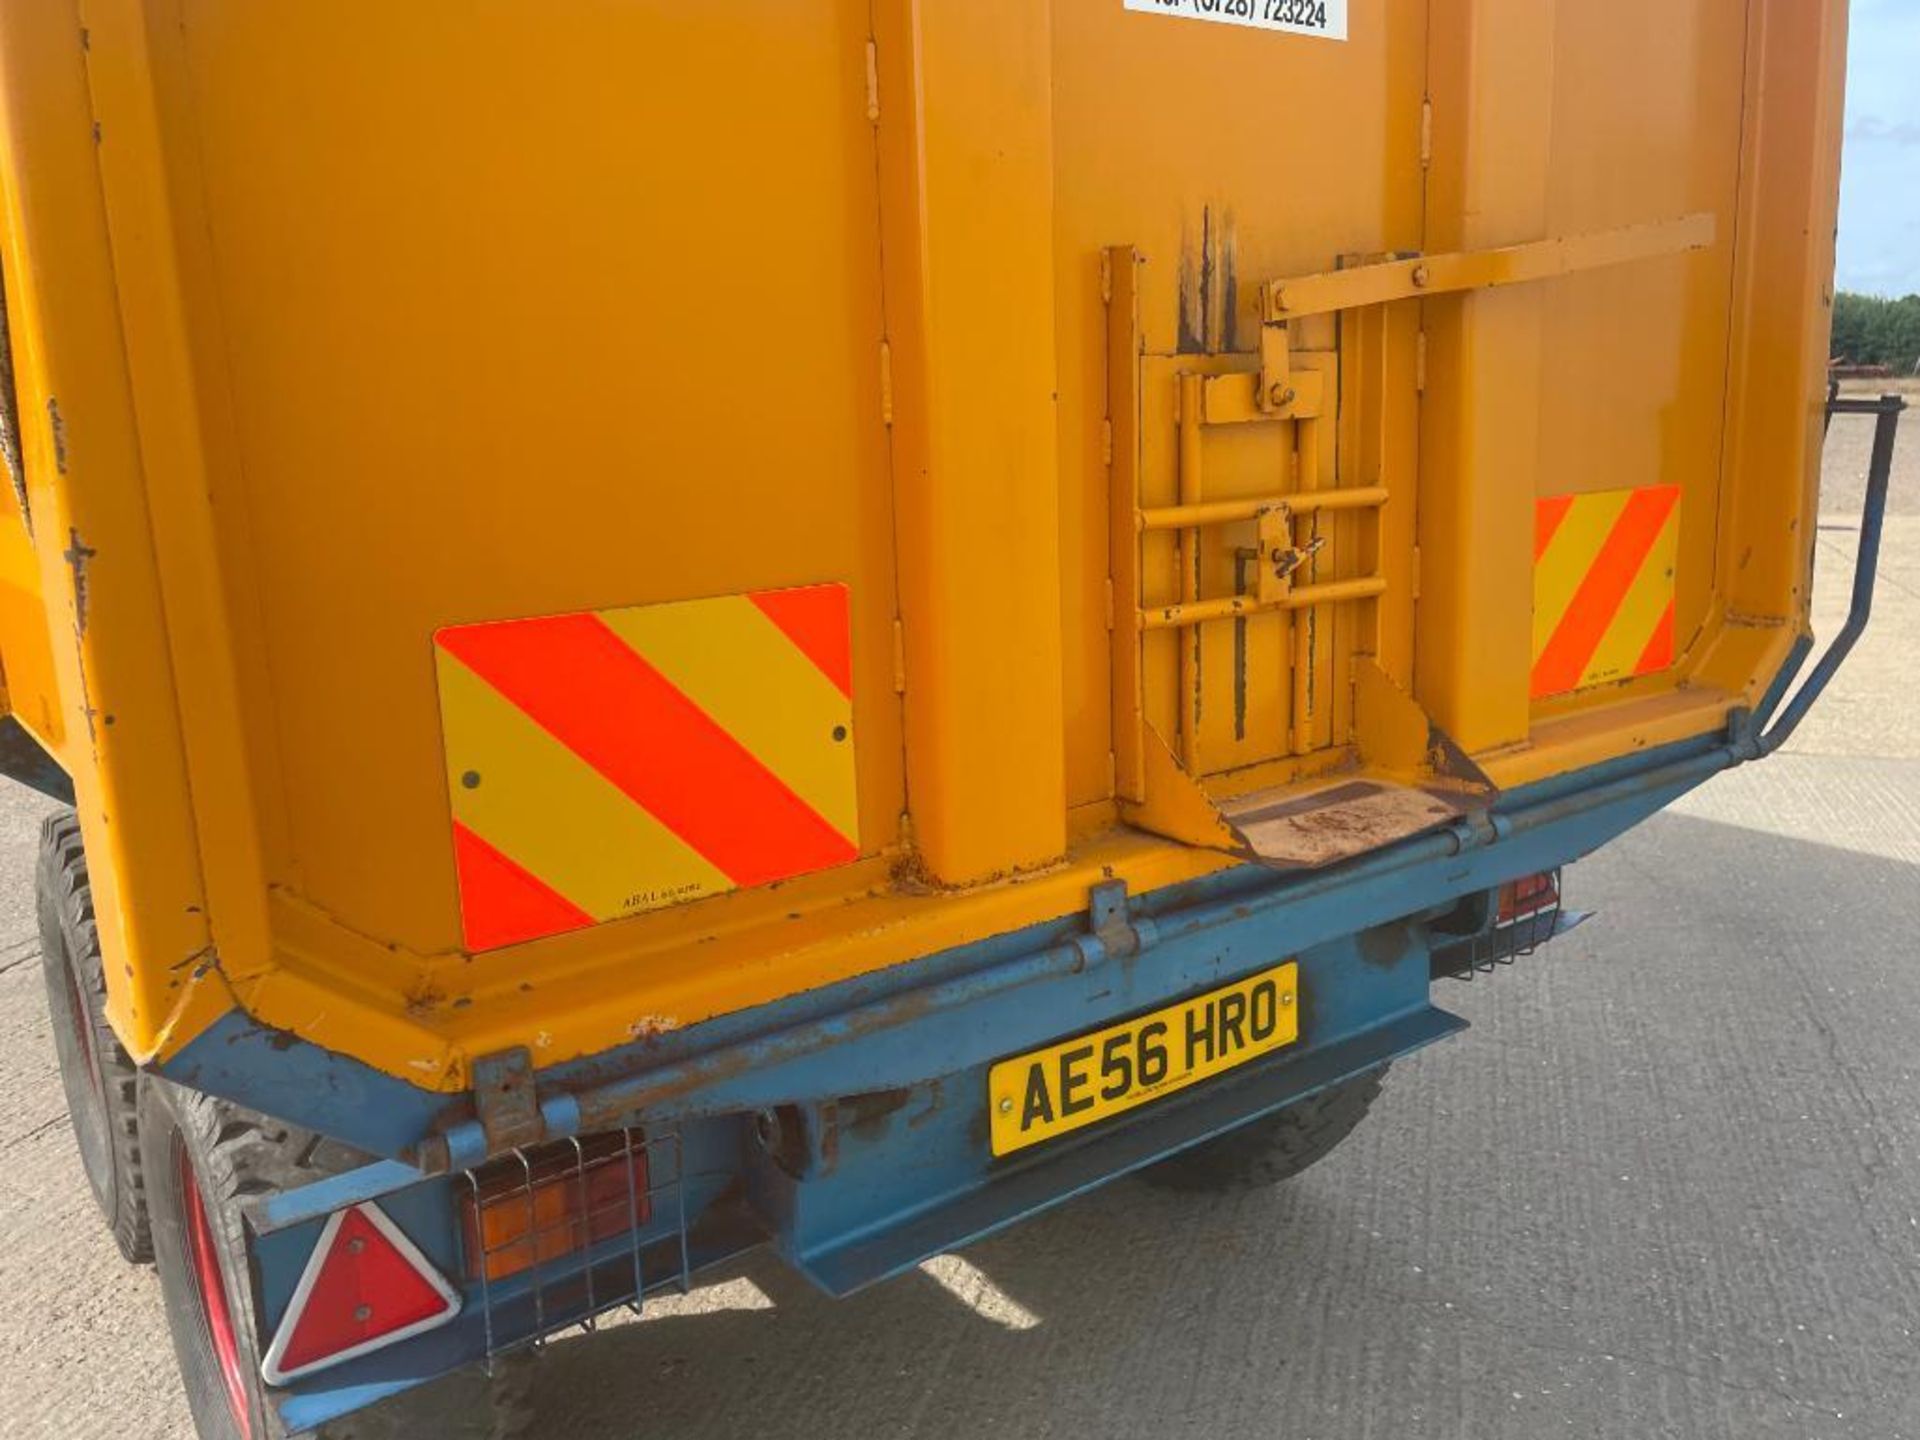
point(1668, 1185)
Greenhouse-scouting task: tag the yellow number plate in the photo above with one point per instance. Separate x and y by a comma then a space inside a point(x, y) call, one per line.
point(1051, 1092)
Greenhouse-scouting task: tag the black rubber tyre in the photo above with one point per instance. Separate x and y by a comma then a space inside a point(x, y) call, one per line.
point(204, 1158)
point(1275, 1147)
point(101, 1081)
point(230, 1155)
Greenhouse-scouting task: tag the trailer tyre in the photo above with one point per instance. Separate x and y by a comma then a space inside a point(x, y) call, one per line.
point(1275, 1147)
point(206, 1157)
point(100, 1078)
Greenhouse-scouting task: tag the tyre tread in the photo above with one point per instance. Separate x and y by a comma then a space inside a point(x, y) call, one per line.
point(65, 888)
point(1275, 1147)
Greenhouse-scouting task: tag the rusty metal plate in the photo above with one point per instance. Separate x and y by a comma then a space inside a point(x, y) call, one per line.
point(1293, 831)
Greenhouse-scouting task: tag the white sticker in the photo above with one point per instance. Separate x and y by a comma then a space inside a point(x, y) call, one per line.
point(1325, 18)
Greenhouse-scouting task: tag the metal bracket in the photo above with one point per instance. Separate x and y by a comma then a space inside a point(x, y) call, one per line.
point(1756, 744)
point(507, 1102)
point(1108, 918)
point(1284, 555)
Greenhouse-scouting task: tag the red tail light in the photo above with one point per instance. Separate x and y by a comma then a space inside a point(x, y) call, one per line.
point(366, 1286)
point(1529, 896)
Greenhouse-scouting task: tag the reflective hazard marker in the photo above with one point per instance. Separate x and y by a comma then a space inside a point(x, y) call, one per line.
point(609, 763)
point(1603, 587)
point(366, 1286)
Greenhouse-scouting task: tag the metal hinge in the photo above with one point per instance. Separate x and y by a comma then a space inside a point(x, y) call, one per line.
point(1420, 362)
point(1426, 133)
point(873, 83)
point(886, 384)
point(1106, 443)
point(1413, 586)
point(506, 1101)
point(899, 657)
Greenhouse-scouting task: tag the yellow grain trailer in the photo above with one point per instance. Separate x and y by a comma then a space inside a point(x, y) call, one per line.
point(679, 625)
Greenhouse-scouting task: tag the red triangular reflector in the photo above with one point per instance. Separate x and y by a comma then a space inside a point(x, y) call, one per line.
point(365, 1286)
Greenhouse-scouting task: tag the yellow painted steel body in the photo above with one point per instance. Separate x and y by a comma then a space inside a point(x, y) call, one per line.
point(339, 324)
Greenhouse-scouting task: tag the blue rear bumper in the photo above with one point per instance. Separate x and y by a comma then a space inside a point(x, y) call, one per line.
point(848, 1127)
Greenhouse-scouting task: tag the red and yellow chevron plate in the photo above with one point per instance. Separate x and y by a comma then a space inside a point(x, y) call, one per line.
point(1603, 587)
point(612, 762)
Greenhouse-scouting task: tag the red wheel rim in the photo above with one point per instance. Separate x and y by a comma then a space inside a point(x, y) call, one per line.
point(92, 1119)
point(83, 1035)
point(211, 1288)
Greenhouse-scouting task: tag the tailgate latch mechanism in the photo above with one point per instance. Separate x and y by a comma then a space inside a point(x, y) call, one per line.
point(1413, 277)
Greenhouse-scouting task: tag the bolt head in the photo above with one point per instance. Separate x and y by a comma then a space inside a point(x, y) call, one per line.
point(363, 1313)
point(356, 1245)
point(1006, 1105)
point(1286, 999)
point(1421, 275)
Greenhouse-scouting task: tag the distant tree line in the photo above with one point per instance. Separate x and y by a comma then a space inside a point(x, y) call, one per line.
point(1870, 331)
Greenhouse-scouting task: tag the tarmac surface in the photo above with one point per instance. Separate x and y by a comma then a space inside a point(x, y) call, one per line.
point(1667, 1186)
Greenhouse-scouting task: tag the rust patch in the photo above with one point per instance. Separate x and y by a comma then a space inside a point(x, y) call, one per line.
point(936, 1097)
point(10, 450)
point(1302, 804)
point(78, 556)
point(738, 1060)
point(1209, 278)
point(909, 876)
point(1230, 284)
point(1209, 283)
point(1449, 761)
point(1189, 340)
point(59, 427)
point(196, 961)
point(1324, 826)
point(867, 1116)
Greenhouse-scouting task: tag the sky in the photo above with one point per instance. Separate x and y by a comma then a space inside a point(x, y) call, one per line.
point(1880, 188)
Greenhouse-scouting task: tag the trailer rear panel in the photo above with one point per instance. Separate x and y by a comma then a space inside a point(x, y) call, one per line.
point(544, 525)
